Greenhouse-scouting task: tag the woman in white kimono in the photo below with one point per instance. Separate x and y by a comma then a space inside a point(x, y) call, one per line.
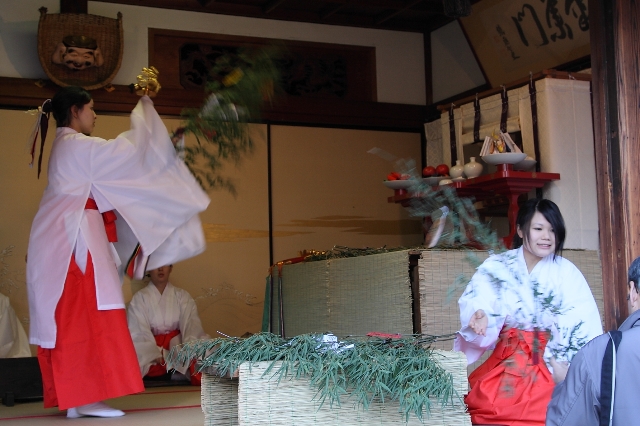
point(75, 266)
point(528, 305)
point(161, 316)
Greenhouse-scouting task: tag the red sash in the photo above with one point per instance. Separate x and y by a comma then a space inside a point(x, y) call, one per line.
point(513, 386)
point(163, 340)
point(109, 219)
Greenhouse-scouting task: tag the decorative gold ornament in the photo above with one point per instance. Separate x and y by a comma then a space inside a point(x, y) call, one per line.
point(148, 82)
point(233, 77)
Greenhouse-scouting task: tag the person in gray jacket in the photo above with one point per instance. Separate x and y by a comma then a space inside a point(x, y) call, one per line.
point(577, 398)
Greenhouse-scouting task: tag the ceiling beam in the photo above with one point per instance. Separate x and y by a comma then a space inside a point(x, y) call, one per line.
point(384, 4)
point(385, 17)
point(333, 10)
point(280, 10)
point(74, 6)
point(272, 5)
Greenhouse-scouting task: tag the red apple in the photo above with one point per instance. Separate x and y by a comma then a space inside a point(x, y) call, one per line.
point(442, 170)
point(428, 171)
point(394, 176)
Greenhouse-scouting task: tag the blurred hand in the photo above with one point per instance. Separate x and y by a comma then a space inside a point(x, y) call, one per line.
point(560, 369)
point(158, 360)
point(479, 322)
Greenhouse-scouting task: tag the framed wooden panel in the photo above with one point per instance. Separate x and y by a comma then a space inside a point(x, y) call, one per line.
point(309, 70)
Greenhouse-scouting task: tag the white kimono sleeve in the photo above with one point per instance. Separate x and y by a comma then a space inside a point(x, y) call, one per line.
point(580, 322)
point(13, 339)
point(190, 324)
point(143, 340)
point(479, 294)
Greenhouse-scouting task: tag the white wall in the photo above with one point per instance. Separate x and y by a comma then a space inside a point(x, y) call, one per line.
point(454, 67)
point(399, 55)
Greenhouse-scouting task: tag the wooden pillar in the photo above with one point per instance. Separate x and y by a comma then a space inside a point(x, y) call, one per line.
point(615, 53)
point(428, 84)
point(428, 68)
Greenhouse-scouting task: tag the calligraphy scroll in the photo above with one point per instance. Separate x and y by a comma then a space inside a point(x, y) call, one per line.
point(513, 37)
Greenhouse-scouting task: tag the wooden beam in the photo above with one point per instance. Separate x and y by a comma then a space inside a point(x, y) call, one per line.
point(272, 5)
point(74, 6)
point(18, 93)
point(385, 17)
point(333, 10)
point(615, 49)
point(361, 20)
point(465, 99)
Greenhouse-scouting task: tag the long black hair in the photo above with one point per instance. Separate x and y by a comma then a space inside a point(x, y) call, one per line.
point(66, 98)
point(634, 273)
point(550, 211)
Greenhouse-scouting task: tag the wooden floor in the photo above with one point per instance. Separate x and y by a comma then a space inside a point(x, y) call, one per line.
point(162, 406)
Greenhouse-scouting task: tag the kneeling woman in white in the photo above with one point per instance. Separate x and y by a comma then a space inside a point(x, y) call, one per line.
point(161, 316)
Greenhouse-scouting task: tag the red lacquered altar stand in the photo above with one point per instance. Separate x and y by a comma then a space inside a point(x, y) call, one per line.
point(505, 182)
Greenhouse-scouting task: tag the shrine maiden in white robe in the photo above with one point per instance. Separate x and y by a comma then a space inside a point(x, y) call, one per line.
point(140, 177)
point(151, 313)
point(13, 339)
point(505, 290)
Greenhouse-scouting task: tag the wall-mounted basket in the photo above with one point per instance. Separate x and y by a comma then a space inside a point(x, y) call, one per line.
point(107, 33)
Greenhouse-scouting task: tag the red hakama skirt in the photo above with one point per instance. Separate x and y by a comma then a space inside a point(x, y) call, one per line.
point(513, 386)
point(94, 358)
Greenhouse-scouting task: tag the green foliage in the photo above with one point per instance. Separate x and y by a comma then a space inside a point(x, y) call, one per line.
point(339, 252)
point(357, 369)
point(239, 86)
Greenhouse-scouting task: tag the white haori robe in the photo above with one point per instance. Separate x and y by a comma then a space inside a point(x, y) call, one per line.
point(503, 287)
point(140, 176)
point(151, 313)
point(13, 339)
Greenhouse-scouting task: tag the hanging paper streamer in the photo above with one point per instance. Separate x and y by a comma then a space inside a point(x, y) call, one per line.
point(452, 137)
point(505, 110)
point(476, 120)
point(534, 123)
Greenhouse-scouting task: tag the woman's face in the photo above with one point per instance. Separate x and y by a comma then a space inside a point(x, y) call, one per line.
point(161, 275)
point(83, 120)
point(541, 240)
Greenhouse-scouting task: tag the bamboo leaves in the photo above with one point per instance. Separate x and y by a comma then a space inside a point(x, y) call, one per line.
point(240, 83)
point(359, 370)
